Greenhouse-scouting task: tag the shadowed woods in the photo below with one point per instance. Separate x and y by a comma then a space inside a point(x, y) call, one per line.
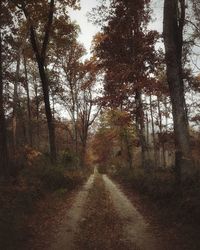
point(129, 110)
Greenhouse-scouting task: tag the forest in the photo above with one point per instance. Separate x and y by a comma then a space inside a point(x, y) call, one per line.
point(95, 146)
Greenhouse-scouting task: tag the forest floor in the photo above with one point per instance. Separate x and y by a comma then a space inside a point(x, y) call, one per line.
point(103, 215)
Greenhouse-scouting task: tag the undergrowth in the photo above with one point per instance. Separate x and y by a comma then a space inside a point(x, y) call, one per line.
point(159, 185)
point(19, 196)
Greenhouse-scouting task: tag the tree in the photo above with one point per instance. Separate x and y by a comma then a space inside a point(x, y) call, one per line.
point(88, 111)
point(3, 137)
point(5, 20)
point(114, 139)
point(41, 13)
point(67, 60)
point(126, 52)
point(173, 25)
point(26, 86)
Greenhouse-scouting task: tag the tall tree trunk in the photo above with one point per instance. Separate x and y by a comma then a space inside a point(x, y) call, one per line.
point(28, 103)
point(147, 129)
point(40, 54)
point(37, 111)
point(84, 147)
point(174, 17)
point(129, 149)
point(16, 105)
point(3, 135)
point(83, 154)
point(166, 114)
point(50, 122)
point(141, 128)
point(161, 131)
point(153, 132)
point(76, 143)
point(74, 113)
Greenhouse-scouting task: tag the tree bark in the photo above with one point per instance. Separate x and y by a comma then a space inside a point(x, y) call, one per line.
point(84, 140)
point(28, 103)
point(161, 131)
point(16, 105)
point(40, 58)
point(3, 135)
point(37, 111)
point(153, 132)
point(141, 128)
point(174, 17)
point(147, 129)
point(129, 150)
point(50, 122)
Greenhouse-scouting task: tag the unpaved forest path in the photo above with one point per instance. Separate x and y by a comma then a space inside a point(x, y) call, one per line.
point(102, 218)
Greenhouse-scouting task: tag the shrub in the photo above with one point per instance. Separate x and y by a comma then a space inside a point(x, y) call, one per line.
point(18, 198)
point(53, 178)
point(14, 231)
point(102, 169)
point(157, 184)
point(61, 192)
point(69, 159)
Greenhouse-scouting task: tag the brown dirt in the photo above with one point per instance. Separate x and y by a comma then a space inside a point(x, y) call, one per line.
point(174, 230)
point(101, 227)
point(136, 229)
point(71, 220)
point(100, 216)
point(45, 221)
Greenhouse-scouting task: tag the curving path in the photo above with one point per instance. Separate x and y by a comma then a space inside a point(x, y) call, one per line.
point(136, 229)
point(71, 221)
point(85, 225)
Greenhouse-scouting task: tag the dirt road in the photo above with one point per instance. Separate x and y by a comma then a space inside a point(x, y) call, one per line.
point(101, 218)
